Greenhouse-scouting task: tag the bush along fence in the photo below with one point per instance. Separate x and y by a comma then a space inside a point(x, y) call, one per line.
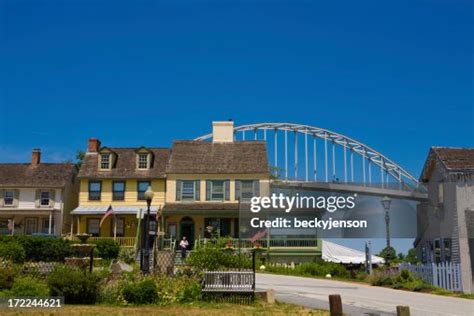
point(446, 275)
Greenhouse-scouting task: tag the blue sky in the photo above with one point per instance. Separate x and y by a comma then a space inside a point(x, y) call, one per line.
point(395, 75)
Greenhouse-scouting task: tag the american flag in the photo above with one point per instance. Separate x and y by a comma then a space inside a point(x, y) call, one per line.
point(260, 234)
point(109, 212)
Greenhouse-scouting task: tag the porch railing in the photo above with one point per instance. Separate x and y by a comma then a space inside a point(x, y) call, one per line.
point(168, 243)
point(273, 243)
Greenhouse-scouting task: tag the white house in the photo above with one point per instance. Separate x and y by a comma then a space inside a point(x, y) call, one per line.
point(36, 198)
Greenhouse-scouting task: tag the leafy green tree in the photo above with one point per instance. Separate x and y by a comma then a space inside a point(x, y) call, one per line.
point(80, 154)
point(411, 256)
point(388, 253)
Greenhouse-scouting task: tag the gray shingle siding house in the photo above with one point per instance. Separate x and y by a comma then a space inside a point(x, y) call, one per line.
point(446, 220)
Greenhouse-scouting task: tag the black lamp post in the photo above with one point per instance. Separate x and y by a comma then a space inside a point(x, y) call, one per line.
point(386, 201)
point(146, 262)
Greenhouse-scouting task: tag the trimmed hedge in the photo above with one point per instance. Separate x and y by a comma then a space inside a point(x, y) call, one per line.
point(38, 248)
point(107, 248)
point(12, 251)
point(77, 287)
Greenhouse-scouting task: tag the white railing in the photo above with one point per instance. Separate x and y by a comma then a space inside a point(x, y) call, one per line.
point(446, 275)
point(275, 243)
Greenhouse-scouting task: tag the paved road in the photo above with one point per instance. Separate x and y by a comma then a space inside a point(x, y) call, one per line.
point(360, 299)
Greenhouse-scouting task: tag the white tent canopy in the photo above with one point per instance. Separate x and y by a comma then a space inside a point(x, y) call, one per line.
point(339, 254)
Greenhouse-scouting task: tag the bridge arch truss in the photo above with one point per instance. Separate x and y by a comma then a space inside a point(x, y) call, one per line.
point(295, 150)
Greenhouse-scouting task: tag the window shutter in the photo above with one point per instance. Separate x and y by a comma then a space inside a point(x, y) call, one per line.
point(256, 188)
point(237, 189)
point(1, 197)
point(37, 198)
point(178, 190)
point(208, 190)
point(227, 190)
point(197, 190)
point(52, 198)
point(16, 196)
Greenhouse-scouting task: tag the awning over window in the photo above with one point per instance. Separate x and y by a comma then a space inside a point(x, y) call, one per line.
point(119, 210)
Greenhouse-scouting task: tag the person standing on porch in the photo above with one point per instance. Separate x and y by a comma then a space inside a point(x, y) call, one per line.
point(184, 244)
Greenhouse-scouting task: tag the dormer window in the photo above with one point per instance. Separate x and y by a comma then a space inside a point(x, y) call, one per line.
point(143, 161)
point(105, 161)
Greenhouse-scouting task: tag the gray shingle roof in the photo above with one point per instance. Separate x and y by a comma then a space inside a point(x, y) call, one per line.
point(207, 157)
point(41, 175)
point(125, 166)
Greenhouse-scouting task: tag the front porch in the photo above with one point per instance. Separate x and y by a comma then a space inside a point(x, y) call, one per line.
point(30, 222)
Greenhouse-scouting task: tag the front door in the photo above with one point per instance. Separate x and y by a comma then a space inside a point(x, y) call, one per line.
point(187, 229)
point(31, 226)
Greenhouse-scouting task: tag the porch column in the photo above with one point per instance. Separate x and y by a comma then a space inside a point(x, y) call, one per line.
point(49, 224)
point(78, 224)
point(13, 225)
point(72, 225)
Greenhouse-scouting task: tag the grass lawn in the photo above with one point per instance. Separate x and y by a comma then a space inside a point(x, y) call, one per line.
point(206, 309)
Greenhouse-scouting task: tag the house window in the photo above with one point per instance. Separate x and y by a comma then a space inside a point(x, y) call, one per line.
point(44, 198)
point(118, 191)
point(105, 161)
point(217, 190)
point(45, 229)
point(246, 189)
point(437, 250)
point(142, 186)
point(447, 249)
point(220, 226)
point(8, 198)
point(143, 161)
point(440, 193)
point(93, 226)
point(120, 227)
point(95, 189)
point(4, 230)
point(188, 190)
point(31, 226)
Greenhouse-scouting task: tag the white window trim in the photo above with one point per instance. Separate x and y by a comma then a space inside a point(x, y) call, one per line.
point(147, 161)
point(110, 161)
point(182, 190)
point(13, 198)
point(212, 190)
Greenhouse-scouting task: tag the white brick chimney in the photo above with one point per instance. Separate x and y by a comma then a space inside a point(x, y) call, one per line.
point(223, 132)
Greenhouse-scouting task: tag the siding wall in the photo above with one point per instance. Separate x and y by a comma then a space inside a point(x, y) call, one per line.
point(171, 184)
point(158, 186)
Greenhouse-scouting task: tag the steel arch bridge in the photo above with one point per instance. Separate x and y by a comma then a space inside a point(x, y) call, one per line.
point(308, 154)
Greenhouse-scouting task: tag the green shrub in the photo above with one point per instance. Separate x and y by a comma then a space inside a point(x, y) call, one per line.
point(319, 268)
point(13, 251)
point(7, 277)
point(178, 289)
point(107, 248)
point(141, 292)
point(211, 257)
point(39, 248)
point(28, 286)
point(77, 286)
point(127, 255)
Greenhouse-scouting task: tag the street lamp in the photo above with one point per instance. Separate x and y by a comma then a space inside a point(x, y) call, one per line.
point(146, 262)
point(386, 201)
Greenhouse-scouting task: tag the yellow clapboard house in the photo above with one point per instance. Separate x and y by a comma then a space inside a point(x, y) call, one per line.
point(118, 177)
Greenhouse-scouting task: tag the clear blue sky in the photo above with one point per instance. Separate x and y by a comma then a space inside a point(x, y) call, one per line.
point(395, 75)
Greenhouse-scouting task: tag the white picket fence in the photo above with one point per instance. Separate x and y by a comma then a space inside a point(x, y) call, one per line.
point(446, 275)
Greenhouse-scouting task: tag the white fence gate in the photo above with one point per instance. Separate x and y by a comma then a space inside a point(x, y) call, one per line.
point(446, 275)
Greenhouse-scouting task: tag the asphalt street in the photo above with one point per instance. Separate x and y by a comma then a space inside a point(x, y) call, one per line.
point(360, 299)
